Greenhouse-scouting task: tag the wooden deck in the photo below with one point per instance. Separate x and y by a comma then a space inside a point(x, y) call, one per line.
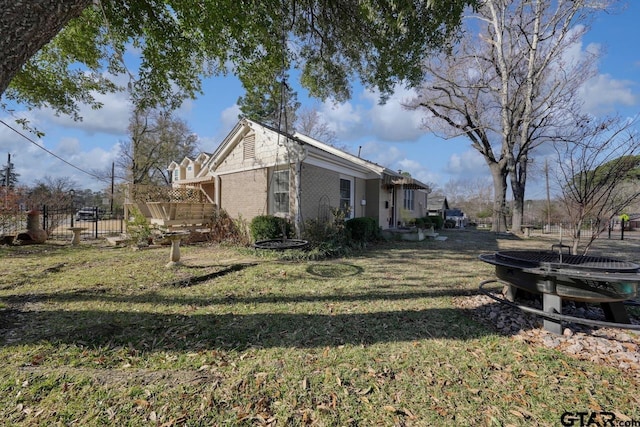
point(180, 214)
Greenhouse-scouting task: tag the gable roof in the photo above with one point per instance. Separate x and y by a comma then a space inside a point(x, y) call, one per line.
point(314, 150)
point(436, 203)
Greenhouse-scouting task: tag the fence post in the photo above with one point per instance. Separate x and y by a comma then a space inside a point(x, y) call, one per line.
point(95, 223)
point(44, 217)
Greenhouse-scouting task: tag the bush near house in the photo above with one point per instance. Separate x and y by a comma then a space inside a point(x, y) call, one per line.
point(266, 227)
point(428, 221)
point(450, 223)
point(362, 230)
point(223, 228)
point(436, 221)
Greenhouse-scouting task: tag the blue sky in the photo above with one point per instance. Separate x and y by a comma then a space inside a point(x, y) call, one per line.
point(388, 134)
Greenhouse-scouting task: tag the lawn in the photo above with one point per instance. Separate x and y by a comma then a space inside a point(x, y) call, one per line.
point(98, 335)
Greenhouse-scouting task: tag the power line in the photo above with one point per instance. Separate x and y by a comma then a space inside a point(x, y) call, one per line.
point(53, 154)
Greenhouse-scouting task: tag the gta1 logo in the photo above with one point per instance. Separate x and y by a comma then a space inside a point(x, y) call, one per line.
point(583, 419)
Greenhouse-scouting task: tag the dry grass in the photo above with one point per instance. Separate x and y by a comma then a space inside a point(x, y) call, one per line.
point(93, 335)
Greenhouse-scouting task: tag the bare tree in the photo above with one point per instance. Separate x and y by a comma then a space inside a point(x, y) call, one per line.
point(598, 176)
point(309, 122)
point(156, 139)
point(510, 85)
point(57, 194)
point(473, 197)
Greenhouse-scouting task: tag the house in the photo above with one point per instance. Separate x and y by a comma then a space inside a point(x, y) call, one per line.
point(258, 170)
point(437, 205)
point(456, 215)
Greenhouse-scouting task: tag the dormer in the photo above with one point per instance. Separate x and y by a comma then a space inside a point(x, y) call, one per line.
point(176, 171)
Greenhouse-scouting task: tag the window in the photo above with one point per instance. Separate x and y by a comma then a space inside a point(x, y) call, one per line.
point(345, 197)
point(280, 191)
point(176, 175)
point(408, 200)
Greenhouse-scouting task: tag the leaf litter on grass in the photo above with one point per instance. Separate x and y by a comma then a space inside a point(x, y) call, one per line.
point(375, 339)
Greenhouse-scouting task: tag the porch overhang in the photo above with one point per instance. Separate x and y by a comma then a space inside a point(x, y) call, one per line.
point(405, 182)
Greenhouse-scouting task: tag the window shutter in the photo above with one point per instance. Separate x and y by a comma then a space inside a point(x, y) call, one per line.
point(249, 147)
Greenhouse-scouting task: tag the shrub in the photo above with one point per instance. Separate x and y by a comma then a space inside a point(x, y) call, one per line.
point(450, 223)
point(321, 233)
point(223, 228)
point(266, 227)
point(138, 227)
point(436, 221)
point(362, 230)
point(330, 239)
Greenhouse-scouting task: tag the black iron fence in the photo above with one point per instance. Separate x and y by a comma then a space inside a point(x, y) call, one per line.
point(95, 221)
point(58, 221)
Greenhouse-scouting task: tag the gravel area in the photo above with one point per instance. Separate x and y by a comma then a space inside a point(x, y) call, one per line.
point(610, 346)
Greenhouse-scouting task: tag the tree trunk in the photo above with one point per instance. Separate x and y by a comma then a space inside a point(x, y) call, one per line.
point(26, 26)
point(500, 197)
point(517, 190)
point(576, 235)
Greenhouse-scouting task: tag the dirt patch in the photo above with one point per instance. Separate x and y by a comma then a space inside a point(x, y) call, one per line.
point(127, 377)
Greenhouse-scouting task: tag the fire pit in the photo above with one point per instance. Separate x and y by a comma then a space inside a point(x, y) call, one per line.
point(559, 276)
point(281, 244)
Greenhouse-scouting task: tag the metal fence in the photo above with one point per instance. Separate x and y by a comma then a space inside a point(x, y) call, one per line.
point(565, 231)
point(58, 221)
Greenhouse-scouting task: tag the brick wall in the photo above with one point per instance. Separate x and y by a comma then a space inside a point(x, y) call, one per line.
point(244, 193)
point(318, 186)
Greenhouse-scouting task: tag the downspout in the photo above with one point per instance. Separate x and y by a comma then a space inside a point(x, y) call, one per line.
point(216, 191)
point(297, 222)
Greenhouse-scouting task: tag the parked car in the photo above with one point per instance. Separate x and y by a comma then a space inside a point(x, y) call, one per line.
point(89, 213)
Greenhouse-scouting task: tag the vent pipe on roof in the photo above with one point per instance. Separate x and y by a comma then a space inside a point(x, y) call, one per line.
point(359, 150)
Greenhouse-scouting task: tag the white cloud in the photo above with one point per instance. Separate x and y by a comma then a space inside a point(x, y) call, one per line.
point(391, 121)
point(384, 122)
point(229, 118)
point(384, 154)
point(344, 119)
point(419, 171)
point(467, 164)
point(603, 94)
point(112, 118)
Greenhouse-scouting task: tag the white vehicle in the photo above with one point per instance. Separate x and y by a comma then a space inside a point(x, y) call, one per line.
point(89, 214)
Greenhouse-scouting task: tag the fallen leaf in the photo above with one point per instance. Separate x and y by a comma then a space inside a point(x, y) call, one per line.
point(142, 403)
point(406, 412)
point(517, 413)
point(365, 391)
point(260, 378)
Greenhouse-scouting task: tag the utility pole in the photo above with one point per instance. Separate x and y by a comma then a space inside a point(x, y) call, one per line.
point(7, 174)
point(7, 171)
point(546, 173)
point(113, 165)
